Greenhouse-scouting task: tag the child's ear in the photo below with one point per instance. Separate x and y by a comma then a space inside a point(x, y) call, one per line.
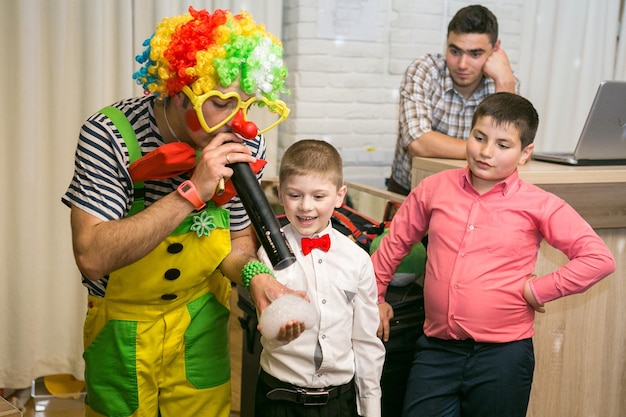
point(526, 154)
point(280, 195)
point(341, 194)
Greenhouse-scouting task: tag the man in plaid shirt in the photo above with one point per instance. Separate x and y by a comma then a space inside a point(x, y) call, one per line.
point(439, 94)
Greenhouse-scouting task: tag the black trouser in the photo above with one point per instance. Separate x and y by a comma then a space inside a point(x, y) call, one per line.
point(343, 404)
point(463, 378)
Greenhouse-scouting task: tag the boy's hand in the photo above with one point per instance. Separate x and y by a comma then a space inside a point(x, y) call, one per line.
point(290, 331)
point(530, 298)
point(386, 313)
point(264, 288)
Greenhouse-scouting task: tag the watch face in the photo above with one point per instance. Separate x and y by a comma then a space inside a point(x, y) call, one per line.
point(185, 187)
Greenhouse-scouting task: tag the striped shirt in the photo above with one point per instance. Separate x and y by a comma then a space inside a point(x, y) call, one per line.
point(429, 102)
point(101, 185)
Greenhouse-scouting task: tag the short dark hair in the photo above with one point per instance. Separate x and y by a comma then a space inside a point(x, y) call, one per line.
point(475, 19)
point(509, 108)
point(312, 156)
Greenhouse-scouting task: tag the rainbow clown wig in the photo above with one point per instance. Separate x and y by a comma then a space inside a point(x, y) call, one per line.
point(202, 50)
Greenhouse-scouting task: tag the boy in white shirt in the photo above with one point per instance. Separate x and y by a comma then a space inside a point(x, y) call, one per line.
point(334, 367)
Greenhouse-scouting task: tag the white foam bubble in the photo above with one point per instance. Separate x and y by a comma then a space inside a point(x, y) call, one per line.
point(285, 308)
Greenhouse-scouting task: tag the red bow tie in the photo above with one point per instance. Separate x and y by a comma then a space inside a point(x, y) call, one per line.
point(310, 243)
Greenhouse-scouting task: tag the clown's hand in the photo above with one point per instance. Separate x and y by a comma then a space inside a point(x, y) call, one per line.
point(264, 289)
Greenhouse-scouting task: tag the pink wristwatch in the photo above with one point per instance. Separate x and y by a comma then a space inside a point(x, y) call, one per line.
point(188, 191)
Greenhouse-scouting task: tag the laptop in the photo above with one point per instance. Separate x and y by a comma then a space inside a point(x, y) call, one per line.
point(603, 139)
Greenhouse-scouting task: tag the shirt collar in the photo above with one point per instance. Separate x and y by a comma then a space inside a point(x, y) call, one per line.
point(507, 186)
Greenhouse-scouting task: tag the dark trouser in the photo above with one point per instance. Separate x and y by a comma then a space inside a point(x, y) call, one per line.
point(341, 405)
point(394, 187)
point(468, 379)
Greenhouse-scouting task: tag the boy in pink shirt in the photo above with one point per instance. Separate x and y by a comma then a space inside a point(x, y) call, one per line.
point(485, 226)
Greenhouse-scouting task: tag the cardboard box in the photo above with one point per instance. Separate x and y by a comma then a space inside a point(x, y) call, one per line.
point(7, 409)
point(45, 400)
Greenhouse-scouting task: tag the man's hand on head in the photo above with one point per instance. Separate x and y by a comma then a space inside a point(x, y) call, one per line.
point(498, 68)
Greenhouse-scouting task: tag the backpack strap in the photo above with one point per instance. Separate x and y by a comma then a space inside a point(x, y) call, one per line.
point(359, 237)
point(134, 152)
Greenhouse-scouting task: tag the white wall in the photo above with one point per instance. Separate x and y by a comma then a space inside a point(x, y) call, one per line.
point(346, 92)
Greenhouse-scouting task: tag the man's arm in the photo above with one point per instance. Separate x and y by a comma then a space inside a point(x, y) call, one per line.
point(101, 247)
point(437, 145)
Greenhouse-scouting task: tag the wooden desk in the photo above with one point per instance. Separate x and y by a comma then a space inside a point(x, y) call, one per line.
point(580, 343)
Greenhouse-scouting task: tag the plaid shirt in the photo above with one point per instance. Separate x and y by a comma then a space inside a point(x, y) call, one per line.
point(429, 102)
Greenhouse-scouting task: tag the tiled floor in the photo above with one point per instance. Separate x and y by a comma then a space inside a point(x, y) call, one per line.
point(61, 412)
point(235, 349)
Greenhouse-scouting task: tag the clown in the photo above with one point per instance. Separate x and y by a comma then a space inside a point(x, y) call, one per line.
point(156, 233)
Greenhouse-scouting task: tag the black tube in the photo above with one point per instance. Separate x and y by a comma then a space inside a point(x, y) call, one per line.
point(262, 216)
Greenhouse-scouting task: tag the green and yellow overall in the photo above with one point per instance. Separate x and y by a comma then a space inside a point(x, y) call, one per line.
point(157, 343)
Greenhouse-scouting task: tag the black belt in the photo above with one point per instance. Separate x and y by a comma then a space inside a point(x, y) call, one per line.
point(282, 391)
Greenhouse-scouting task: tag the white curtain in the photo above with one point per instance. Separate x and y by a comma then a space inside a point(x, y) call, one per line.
point(568, 49)
point(620, 61)
point(62, 61)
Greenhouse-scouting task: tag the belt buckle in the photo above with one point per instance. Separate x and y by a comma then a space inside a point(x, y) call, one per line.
point(306, 397)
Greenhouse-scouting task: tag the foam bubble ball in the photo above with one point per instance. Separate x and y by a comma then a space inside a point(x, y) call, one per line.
point(285, 308)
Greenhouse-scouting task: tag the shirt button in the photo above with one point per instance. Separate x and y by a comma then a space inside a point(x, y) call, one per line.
point(319, 261)
point(323, 301)
point(471, 227)
point(168, 297)
point(323, 336)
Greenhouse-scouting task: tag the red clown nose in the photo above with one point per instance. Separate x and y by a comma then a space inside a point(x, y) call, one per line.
point(240, 126)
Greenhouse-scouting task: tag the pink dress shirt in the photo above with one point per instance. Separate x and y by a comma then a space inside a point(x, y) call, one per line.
point(483, 248)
